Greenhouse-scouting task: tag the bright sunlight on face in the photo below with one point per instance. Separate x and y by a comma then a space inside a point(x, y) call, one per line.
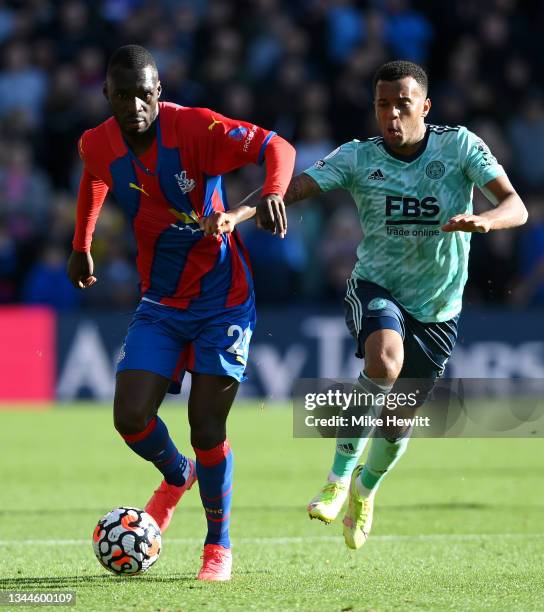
point(401, 107)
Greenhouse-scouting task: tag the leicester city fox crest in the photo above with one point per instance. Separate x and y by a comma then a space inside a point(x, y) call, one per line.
point(435, 170)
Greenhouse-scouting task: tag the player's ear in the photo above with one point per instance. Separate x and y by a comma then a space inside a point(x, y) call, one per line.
point(159, 89)
point(426, 107)
point(105, 91)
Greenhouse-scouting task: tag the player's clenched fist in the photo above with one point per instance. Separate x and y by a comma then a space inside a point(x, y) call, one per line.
point(217, 223)
point(467, 223)
point(271, 214)
point(80, 270)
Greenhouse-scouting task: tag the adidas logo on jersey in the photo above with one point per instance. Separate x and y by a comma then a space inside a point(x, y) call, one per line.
point(377, 175)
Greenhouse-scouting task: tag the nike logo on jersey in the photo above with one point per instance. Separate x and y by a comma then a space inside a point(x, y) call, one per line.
point(214, 123)
point(138, 188)
point(377, 175)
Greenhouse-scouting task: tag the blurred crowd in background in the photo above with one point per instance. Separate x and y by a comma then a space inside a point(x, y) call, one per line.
point(300, 67)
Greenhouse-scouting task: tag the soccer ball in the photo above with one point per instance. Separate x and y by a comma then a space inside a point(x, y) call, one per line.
point(127, 541)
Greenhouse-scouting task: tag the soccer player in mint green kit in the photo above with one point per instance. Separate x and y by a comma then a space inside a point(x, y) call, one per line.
point(413, 190)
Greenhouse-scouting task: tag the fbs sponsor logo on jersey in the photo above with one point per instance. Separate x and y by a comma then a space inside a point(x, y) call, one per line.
point(401, 211)
point(412, 210)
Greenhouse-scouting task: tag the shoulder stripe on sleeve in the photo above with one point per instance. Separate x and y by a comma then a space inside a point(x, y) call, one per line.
point(377, 140)
point(263, 147)
point(442, 129)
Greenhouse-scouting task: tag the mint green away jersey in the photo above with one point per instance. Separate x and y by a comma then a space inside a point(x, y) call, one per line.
point(402, 203)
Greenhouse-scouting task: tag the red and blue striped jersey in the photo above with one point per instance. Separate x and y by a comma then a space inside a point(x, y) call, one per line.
point(164, 193)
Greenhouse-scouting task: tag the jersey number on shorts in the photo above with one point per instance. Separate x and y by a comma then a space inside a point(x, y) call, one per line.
point(240, 345)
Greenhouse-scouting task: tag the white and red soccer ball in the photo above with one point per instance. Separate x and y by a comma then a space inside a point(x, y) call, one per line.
point(127, 541)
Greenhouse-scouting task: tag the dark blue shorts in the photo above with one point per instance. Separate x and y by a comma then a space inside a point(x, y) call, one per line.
point(427, 346)
point(169, 341)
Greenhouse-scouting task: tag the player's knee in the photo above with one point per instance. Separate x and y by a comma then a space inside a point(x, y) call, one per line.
point(385, 366)
point(129, 420)
point(207, 435)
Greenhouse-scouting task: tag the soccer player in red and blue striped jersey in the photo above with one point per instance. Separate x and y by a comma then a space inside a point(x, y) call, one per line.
point(164, 165)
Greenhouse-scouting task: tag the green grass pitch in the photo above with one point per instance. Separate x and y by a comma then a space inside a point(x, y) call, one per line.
point(458, 523)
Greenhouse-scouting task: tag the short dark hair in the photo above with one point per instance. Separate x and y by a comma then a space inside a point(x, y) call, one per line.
point(400, 69)
point(132, 57)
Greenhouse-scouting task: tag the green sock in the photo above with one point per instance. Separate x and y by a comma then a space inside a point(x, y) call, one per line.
point(348, 450)
point(382, 456)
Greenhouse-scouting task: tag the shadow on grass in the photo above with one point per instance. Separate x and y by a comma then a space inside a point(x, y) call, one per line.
point(100, 511)
point(61, 582)
point(296, 509)
point(439, 506)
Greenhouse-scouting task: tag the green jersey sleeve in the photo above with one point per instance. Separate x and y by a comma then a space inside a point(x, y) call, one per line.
point(336, 170)
point(477, 161)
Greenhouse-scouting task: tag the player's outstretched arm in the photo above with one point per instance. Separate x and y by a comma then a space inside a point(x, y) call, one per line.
point(224, 222)
point(270, 212)
point(279, 157)
point(270, 217)
point(509, 211)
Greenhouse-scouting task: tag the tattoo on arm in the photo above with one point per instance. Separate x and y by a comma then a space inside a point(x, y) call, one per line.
point(301, 187)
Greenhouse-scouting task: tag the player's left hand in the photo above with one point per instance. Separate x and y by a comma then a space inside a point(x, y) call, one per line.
point(467, 223)
point(217, 223)
point(271, 215)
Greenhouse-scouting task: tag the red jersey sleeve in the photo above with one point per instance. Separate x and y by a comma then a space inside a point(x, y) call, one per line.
point(280, 162)
point(224, 144)
point(91, 196)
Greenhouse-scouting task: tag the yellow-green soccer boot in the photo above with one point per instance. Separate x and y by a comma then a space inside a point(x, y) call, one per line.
point(358, 518)
point(326, 505)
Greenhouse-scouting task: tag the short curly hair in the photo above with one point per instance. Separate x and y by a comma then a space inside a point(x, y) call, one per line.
point(400, 69)
point(132, 57)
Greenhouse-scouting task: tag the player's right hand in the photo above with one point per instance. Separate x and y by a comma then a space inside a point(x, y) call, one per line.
point(217, 223)
point(271, 215)
point(80, 270)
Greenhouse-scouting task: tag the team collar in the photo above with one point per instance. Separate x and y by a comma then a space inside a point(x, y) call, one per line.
point(414, 156)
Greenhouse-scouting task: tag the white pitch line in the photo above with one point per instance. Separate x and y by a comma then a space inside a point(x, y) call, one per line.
point(461, 537)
